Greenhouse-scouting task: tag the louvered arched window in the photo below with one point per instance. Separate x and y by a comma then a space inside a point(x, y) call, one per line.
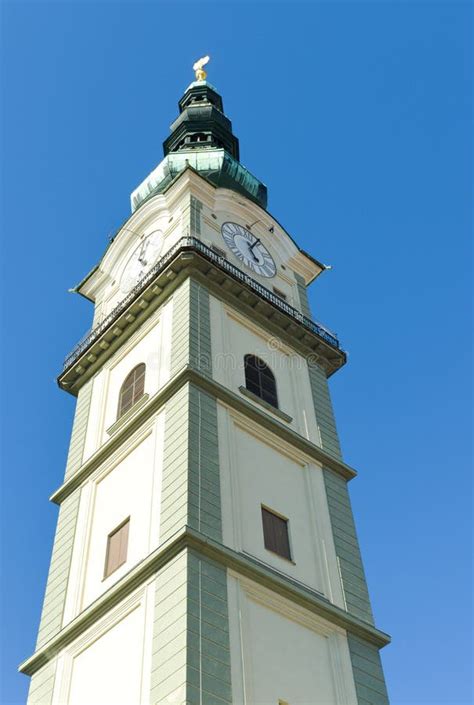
point(132, 389)
point(260, 380)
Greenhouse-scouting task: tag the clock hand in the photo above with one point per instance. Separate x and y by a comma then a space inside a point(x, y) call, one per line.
point(143, 249)
point(251, 249)
point(255, 243)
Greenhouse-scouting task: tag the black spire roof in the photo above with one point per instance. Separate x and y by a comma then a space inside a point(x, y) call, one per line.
point(201, 138)
point(201, 123)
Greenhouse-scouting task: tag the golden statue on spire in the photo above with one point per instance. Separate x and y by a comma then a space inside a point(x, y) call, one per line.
point(198, 68)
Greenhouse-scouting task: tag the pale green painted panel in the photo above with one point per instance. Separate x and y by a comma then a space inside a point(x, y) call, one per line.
point(204, 510)
point(56, 586)
point(191, 653)
point(174, 496)
point(79, 428)
point(168, 664)
point(191, 465)
point(42, 685)
point(200, 329)
point(347, 547)
point(208, 647)
point(191, 328)
point(303, 295)
point(180, 328)
point(339, 505)
point(368, 673)
point(323, 410)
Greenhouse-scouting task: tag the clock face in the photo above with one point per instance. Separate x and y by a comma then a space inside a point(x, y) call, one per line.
point(141, 260)
point(248, 249)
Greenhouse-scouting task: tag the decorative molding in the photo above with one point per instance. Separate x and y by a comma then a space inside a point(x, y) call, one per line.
point(153, 321)
point(335, 636)
point(270, 438)
point(224, 395)
point(125, 418)
point(285, 607)
point(137, 600)
point(343, 677)
point(190, 257)
point(244, 565)
point(276, 344)
point(132, 442)
point(272, 409)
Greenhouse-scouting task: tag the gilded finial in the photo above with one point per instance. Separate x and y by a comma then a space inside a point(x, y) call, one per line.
point(198, 68)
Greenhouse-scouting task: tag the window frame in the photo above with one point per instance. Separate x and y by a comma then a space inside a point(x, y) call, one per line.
point(125, 522)
point(121, 408)
point(265, 386)
point(286, 556)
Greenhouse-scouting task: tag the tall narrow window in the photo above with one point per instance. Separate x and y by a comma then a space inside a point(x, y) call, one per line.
point(132, 389)
point(275, 533)
point(260, 380)
point(117, 545)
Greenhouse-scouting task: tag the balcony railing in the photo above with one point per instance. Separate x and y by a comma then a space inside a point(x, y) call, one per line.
point(192, 243)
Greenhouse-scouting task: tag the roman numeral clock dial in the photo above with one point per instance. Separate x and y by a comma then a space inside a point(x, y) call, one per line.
point(248, 249)
point(141, 260)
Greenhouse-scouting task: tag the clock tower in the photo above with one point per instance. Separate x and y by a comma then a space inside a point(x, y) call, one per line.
point(205, 550)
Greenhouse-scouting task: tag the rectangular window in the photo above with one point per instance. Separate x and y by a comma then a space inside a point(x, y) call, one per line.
point(275, 533)
point(117, 545)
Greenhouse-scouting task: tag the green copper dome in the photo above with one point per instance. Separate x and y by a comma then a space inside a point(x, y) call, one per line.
point(202, 138)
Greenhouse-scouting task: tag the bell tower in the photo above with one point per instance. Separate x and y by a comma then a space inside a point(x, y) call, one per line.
point(205, 550)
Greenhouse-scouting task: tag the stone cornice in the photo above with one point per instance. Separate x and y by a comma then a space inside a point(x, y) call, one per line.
point(198, 261)
point(223, 394)
point(244, 565)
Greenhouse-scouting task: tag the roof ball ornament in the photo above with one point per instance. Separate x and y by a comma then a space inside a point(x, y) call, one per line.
point(198, 68)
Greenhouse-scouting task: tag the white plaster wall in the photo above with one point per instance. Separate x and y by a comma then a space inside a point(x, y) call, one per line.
point(121, 250)
point(129, 486)
point(169, 212)
point(233, 336)
point(110, 664)
point(288, 661)
point(266, 476)
point(279, 651)
point(108, 671)
point(257, 468)
point(150, 344)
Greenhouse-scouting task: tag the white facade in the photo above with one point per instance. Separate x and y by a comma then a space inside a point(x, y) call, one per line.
point(110, 664)
point(283, 654)
point(169, 214)
point(280, 651)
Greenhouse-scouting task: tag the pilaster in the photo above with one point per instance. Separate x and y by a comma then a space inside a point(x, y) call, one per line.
point(303, 295)
point(368, 673)
point(323, 410)
point(42, 685)
point(191, 653)
point(79, 429)
point(351, 568)
point(56, 587)
point(191, 332)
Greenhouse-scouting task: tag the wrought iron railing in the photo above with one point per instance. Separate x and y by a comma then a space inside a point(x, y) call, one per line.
point(192, 243)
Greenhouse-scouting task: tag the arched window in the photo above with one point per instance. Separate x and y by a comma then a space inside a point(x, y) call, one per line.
point(260, 380)
point(132, 389)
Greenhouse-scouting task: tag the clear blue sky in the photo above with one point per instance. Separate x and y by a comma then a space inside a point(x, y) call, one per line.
point(357, 117)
